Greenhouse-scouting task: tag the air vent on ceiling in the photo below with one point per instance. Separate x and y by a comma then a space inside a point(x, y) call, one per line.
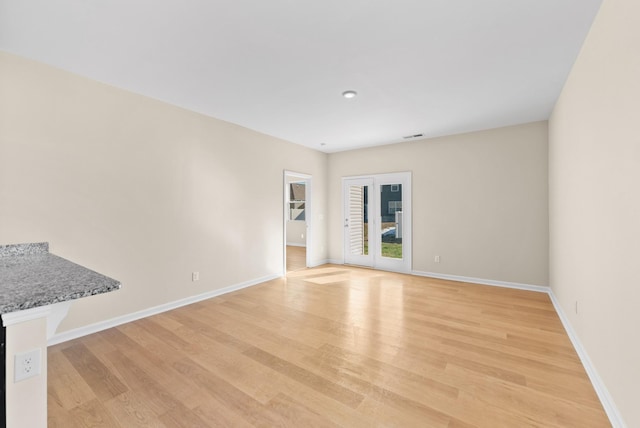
point(412, 136)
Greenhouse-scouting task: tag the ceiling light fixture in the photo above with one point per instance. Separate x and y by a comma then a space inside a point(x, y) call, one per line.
point(349, 94)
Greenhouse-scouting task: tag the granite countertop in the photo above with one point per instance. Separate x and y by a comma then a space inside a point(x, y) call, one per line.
point(30, 276)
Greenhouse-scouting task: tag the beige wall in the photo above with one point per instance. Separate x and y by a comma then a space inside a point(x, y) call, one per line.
point(140, 190)
point(594, 166)
point(479, 201)
point(297, 233)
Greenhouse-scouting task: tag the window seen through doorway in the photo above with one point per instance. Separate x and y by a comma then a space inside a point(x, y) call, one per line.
point(297, 200)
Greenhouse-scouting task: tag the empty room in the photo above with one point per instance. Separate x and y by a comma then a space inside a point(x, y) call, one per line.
point(320, 214)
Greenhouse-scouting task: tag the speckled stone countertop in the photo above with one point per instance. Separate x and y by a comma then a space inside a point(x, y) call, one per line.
point(30, 276)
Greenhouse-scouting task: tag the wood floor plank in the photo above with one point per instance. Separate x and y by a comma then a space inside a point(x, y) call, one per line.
point(364, 374)
point(58, 416)
point(99, 378)
point(306, 377)
point(155, 363)
point(295, 414)
point(182, 417)
point(93, 414)
point(129, 410)
point(246, 374)
point(296, 258)
point(519, 401)
point(261, 383)
point(242, 404)
point(332, 346)
point(196, 329)
point(394, 411)
point(260, 328)
point(66, 386)
point(217, 414)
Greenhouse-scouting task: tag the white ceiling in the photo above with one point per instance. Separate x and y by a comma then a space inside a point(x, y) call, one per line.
point(432, 67)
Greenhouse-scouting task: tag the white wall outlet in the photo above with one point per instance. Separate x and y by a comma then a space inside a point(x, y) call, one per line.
point(436, 259)
point(27, 364)
point(195, 276)
point(576, 306)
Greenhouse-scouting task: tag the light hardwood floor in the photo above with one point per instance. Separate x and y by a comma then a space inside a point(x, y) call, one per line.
point(296, 258)
point(331, 346)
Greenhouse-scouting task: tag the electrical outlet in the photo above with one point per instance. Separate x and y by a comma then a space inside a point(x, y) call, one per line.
point(195, 276)
point(437, 259)
point(576, 306)
point(27, 364)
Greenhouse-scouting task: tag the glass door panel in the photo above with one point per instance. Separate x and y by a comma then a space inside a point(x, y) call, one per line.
point(391, 220)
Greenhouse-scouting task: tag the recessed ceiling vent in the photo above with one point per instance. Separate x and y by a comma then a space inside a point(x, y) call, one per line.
point(407, 137)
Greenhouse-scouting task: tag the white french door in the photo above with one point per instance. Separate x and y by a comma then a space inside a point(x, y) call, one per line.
point(377, 221)
point(356, 221)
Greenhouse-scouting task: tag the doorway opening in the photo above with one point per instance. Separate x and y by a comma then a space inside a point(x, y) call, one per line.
point(297, 220)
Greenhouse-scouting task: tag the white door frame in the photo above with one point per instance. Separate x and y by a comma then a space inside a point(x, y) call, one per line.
point(377, 261)
point(307, 178)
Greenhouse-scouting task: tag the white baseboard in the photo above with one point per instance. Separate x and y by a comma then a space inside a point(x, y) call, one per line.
point(293, 244)
point(603, 393)
point(103, 325)
point(482, 281)
point(317, 263)
point(335, 261)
